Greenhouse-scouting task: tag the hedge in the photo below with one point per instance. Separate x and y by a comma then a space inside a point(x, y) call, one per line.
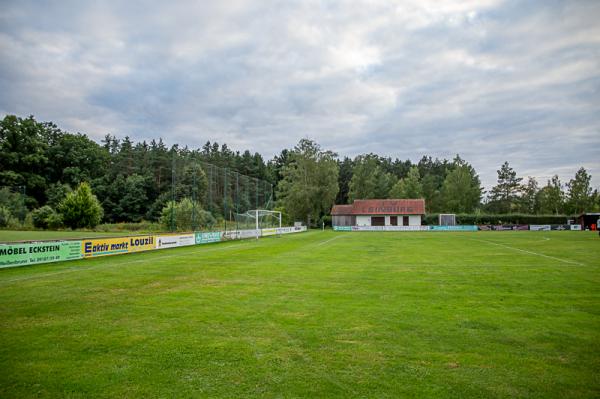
point(515, 218)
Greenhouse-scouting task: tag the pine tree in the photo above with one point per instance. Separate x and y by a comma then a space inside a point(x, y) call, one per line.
point(504, 196)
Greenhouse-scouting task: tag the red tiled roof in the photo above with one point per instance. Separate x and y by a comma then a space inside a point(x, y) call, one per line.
point(341, 210)
point(382, 207)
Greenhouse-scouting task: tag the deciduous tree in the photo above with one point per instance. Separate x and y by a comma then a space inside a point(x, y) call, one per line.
point(310, 182)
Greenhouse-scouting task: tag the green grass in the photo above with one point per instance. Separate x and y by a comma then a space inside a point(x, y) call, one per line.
point(15, 235)
point(378, 315)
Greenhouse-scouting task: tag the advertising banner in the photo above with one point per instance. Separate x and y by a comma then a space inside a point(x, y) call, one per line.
point(38, 252)
point(521, 227)
point(269, 232)
point(286, 230)
point(172, 241)
point(231, 235)
point(576, 227)
point(249, 233)
point(539, 227)
point(342, 228)
point(453, 228)
point(112, 246)
point(501, 227)
point(484, 227)
point(205, 238)
point(390, 228)
point(560, 227)
point(241, 234)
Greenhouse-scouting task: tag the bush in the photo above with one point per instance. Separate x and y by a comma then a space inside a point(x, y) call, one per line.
point(81, 208)
point(55, 221)
point(56, 193)
point(41, 215)
point(5, 216)
point(14, 202)
point(516, 218)
point(185, 216)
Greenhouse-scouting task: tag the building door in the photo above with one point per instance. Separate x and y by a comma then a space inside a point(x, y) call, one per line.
point(394, 220)
point(404, 220)
point(377, 221)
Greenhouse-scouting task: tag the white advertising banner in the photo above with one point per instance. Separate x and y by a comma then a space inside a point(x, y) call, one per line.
point(540, 227)
point(269, 232)
point(172, 241)
point(575, 227)
point(288, 230)
point(249, 234)
point(241, 234)
point(390, 228)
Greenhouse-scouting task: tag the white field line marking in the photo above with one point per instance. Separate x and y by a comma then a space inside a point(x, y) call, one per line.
point(78, 269)
point(326, 241)
point(530, 252)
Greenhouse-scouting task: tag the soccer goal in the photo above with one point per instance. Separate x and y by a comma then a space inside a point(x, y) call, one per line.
point(447, 219)
point(258, 219)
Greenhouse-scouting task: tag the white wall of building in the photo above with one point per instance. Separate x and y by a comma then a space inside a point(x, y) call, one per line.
point(414, 220)
point(363, 220)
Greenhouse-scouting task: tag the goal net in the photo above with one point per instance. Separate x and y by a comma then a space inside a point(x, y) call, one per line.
point(447, 219)
point(257, 219)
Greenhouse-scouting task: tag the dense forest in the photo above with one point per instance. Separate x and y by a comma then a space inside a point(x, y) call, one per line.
point(134, 181)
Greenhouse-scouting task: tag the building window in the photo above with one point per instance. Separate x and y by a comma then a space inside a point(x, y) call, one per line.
point(404, 220)
point(394, 220)
point(377, 221)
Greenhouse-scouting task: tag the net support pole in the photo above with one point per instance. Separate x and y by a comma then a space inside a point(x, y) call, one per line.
point(172, 224)
point(256, 214)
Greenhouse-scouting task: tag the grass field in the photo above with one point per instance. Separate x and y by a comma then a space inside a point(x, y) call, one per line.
point(319, 314)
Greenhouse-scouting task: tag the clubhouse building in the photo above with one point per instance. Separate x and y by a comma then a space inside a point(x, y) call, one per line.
point(379, 212)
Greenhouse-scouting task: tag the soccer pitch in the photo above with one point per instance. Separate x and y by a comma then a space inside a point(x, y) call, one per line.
point(318, 314)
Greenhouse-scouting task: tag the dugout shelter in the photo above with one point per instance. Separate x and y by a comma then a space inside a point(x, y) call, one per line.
point(589, 221)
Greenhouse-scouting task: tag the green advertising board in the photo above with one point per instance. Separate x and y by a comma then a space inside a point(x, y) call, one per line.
point(38, 252)
point(342, 228)
point(205, 238)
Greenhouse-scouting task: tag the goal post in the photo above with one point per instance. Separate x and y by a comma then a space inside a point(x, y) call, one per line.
point(258, 219)
point(447, 219)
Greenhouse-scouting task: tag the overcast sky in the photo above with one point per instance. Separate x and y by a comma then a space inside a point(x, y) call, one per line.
point(491, 80)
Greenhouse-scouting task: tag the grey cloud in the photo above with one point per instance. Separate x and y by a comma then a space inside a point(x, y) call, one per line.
point(491, 80)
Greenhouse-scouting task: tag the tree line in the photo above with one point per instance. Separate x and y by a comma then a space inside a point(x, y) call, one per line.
point(133, 181)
